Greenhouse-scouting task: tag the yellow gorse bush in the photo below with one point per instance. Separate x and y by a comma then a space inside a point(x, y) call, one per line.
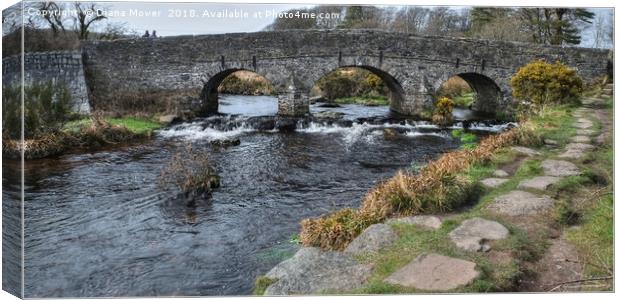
point(442, 115)
point(542, 83)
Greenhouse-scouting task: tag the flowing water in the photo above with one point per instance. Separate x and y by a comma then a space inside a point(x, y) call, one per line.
point(98, 224)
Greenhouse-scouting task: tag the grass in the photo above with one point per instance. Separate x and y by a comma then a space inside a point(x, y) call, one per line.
point(261, 284)
point(414, 240)
point(365, 100)
point(464, 100)
point(135, 125)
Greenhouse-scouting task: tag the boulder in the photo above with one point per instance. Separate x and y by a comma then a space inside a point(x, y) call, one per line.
point(434, 272)
point(263, 123)
point(431, 222)
point(312, 271)
point(493, 182)
point(520, 203)
point(559, 168)
point(525, 151)
point(372, 239)
point(473, 233)
point(538, 183)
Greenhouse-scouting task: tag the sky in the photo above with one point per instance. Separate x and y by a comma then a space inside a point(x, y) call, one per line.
point(212, 18)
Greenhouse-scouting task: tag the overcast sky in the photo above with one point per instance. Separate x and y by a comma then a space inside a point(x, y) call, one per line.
point(209, 18)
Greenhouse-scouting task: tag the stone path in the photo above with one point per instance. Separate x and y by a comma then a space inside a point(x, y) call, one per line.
point(431, 222)
point(538, 183)
point(520, 203)
point(493, 182)
point(372, 239)
point(559, 168)
point(312, 270)
point(474, 234)
point(434, 272)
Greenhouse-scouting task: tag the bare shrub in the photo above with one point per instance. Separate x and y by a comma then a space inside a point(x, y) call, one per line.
point(191, 172)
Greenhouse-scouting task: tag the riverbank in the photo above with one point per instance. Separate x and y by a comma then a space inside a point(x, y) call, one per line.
point(85, 133)
point(531, 206)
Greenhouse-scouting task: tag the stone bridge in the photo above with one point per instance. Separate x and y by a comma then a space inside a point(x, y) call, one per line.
point(413, 67)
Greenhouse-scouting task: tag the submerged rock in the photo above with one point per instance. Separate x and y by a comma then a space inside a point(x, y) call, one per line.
point(312, 271)
point(372, 239)
point(226, 142)
point(286, 124)
point(434, 272)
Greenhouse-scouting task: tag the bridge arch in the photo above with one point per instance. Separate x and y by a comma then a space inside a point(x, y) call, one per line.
point(396, 93)
point(209, 96)
point(486, 92)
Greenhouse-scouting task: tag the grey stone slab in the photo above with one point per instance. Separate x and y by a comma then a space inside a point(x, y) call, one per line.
point(538, 183)
point(312, 271)
point(473, 234)
point(434, 272)
point(424, 221)
point(559, 168)
point(493, 182)
point(520, 203)
point(525, 151)
point(372, 239)
point(500, 173)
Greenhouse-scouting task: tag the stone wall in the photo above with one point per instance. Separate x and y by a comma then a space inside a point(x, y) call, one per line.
point(57, 66)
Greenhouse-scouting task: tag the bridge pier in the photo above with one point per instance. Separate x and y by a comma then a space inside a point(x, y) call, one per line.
point(294, 102)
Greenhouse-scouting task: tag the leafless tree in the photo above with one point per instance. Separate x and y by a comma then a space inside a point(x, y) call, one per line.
point(51, 13)
point(86, 15)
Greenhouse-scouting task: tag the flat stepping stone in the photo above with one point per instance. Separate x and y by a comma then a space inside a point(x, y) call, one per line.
point(312, 271)
point(580, 139)
point(493, 182)
point(500, 173)
point(583, 125)
point(525, 151)
point(559, 168)
point(431, 222)
point(550, 142)
point(538, 183)
point(372, 239)
point(434, 272)
point(585, 132)
point(575, 150)
point(520, 203)
point(473, 234)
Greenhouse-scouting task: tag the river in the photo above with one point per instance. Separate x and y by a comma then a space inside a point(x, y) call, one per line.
point(98, 225)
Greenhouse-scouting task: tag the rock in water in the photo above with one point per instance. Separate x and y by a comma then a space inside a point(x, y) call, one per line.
point(312, 271)
point(472, 234)
point(226, 142)
point(434, 272)
point(390, 133)
point(372, 239)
